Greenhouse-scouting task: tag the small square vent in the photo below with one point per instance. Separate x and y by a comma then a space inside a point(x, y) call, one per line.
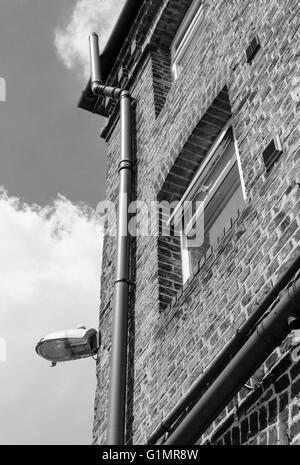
point(272, 153)
point(253, 48)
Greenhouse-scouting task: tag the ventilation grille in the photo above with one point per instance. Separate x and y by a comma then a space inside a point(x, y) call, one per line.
point(253, 49)
point(272, 153)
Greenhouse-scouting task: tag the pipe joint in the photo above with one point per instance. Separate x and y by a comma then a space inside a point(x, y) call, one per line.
point(116, 93)
point(125, 164)
point(125, 281)
point(125, 94)
point(105, 91)
point(97, 88)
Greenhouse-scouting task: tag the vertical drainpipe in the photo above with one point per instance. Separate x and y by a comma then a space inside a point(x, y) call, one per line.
point(118, 364)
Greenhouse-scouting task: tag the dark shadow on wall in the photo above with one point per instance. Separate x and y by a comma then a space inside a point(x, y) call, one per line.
point(131, 307)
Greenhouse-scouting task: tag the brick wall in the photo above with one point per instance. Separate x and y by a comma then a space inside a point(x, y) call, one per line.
point(170, 346)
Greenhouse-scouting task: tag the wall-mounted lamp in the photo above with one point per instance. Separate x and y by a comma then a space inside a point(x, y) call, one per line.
point(68, 345)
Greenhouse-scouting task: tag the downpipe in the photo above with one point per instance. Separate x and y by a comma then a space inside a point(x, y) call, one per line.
point(269, 334)
point(118, 364)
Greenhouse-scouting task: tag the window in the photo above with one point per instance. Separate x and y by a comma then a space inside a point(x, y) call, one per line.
point(185, 39)
point(212, 199)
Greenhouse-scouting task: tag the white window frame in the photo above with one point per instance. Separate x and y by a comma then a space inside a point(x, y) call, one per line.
point(178, 212)
point(185, 34)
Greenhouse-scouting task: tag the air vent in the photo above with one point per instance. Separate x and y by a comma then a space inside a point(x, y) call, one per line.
point(272, 153)
point(253, 49)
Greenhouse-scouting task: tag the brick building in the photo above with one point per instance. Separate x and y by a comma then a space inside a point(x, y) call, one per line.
point(216, 119)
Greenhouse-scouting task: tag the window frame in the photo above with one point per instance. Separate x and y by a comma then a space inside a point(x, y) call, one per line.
point(185, 35)
point(176, 217)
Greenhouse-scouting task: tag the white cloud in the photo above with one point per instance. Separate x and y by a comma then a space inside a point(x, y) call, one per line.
point(50, 261)
point(88, 16)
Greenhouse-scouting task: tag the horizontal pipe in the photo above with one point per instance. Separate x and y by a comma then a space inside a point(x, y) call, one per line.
point(268, 335)
point(105, 91)
point(226, 354)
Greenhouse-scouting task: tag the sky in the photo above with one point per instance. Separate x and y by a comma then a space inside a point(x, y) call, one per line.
point(52, 176)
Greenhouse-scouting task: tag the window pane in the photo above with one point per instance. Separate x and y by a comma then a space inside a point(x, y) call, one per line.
point(186, 37)
point(217, 215)
point(223, 220)
point(212, 200)
point(188, 49)
point(213, 172)
point(212, 175)
point(219, 202)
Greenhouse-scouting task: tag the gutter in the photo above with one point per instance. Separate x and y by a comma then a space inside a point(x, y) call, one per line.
point(268, 335)
point(232, 347)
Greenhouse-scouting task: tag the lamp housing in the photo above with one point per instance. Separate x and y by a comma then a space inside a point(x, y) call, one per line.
point(68, 345)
